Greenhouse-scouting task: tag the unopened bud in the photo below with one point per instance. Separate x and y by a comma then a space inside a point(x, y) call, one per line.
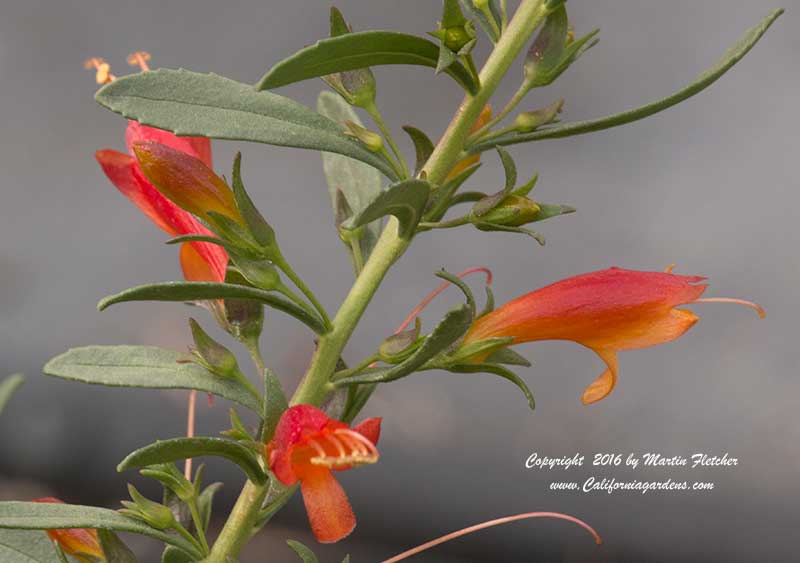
point(529, 121)
point(212, 355)
point(512, 211)
point(155, 514)
point(400, 346)
point(368, 138)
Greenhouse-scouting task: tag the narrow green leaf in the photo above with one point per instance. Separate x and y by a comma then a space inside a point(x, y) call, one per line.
point(360, 50)
point(454, 324)
point(26, 546)
point(503, 372)
point(483, 19)
point(304, 553)
point(114, 548)
point(492, 227)
point(423, 146)
point(405, 200)
point(509, 167)
point(8, 386)
point(462, 285)
point(177, 449)
point(730, 58)
point(203, 291)
point(259, 228)
point(509, 357)
point(205, 503)
point(173, 555)
point(548, 210)
point(144, 366)
point(208, 105)
point(275, 404)
point(359, 183)
point(47, 516)
point(480, 347)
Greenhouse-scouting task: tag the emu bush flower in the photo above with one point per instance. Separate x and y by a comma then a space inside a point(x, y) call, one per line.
point(200, 261)
point(606, 311)
point(306, 447)
point(80, 543)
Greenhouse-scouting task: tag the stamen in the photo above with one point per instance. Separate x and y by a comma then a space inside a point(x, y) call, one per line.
point(319, 449)
point(337, 444)
point(750, 304)
point(139, 58)
point(102, 70)
point(357, 447)
point(372, 450)
point(489, 524)
point(670, 268)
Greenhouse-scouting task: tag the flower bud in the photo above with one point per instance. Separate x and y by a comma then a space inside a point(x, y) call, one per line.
point(369, 139)
point(212, 355)
point(512, 211)
point(400, 346)
point(529, 121)
point(172, 479)
point(155, 514)
point(186, 181)
point(80, 543)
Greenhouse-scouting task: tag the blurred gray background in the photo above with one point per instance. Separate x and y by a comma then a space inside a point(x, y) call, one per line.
point(710, 185)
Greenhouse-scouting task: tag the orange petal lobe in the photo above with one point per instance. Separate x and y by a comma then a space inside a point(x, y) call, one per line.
point(329, 512)
point(197, 269)
point(603, 385)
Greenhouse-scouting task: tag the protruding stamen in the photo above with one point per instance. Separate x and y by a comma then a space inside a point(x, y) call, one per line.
point(352, 449)
point(357, 447)
point(371, 449)
point(102, 70)
point(337, 444)
point(750, 304)
point(139, 58)
point(318, 448)
point(669, 268)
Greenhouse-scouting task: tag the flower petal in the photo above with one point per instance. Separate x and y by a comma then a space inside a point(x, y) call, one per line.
point(196, 268)
point(198, 147)
point(603, 385)
point(329, 512)
point(80, 543)
point(370, 429)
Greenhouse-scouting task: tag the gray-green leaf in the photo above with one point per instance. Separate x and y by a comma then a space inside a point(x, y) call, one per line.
point(164, 451)
point(503, 372)
point(49, 516)
point(730, 58)
point(8, 386)
point(405, 200)
point(304, 553)
point(360, 50)
point(26, 546)
point(203, 291)
point(114, 548)
point(359, 183)
point(208, 105)
point(144, 366)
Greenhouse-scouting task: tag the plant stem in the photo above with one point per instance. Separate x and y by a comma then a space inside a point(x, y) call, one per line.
point(389, 248)
point(198, 524)
point(512, 103)
point(375, 114)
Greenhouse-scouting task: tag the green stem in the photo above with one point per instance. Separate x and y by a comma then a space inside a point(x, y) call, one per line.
point(352, 371)
point(503, 14)
point(389, 248)
point(375, 114)
point(190, 538)
point(444, 224)
point(358, 257)
point(198, 524)
point(518, 96)
point(282, 263)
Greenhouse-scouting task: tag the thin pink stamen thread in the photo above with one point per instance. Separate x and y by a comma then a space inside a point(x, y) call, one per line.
point(190, 416)
point(490, 523)
point(438, 290)
point(750, 304)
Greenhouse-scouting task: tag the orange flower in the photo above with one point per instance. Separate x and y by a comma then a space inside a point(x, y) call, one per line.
point(606, 311)
point(461, 165)
point(80, 543)
point(306, 447)
point(200, 261)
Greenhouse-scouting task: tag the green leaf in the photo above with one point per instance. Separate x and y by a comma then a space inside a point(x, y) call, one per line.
point(173, 555)
point(509, 357)
point(203, 291)
point(26, 546)
point(261, 230)
point(114, 548)
point(548, 210)
point(163, 451)
point(509, 167)
point(492, 227)
point(480, 347)
point(144, 366)
point(191, 103)
point(423, 146)
point(503, 372)
point(303, 552)
point(730, 58)
point(454, 324)
point(275, 404)
point(483, 19)
point(7, 388)
point(462, 285)
point(205, 503)
point(405, 200)
point(359, 183)
point(49, 516)
point(360, 50)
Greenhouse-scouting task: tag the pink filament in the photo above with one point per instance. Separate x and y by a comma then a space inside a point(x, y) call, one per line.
point(190, 416)
point(750, 304)
point(497, 522)
point(438, 290)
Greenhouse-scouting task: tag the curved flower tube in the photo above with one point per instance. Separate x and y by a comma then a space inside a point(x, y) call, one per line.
point(606, 311)
point(200, 261)
point(307, 446)
point(80, 543)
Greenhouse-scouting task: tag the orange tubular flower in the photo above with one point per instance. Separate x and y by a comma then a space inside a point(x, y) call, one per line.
point(200, 261)
point(80, 543)
point(306, 447)
point(606, 311)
